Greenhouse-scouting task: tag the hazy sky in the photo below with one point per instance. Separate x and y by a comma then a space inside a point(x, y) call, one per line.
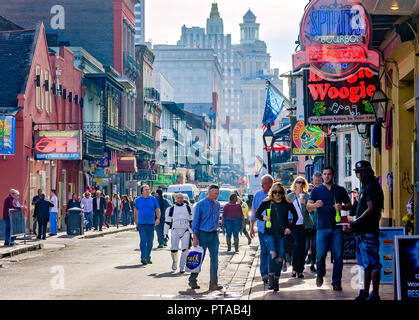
point(279, 23)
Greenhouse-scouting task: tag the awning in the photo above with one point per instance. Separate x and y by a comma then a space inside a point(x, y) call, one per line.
point(127, 164)
point(126, 83)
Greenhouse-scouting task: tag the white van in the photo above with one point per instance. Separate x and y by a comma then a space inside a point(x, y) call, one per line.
point(190, 189)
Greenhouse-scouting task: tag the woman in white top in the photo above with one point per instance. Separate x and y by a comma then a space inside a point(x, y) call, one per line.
point(299, 197)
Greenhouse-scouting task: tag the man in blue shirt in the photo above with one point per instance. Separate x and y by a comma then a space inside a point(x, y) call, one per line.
point(327, 198)
point(146, 215)
point(266, 183)
point(205, 234)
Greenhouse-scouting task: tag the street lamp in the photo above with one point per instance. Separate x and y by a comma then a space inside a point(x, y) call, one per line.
point(268, 139)
point(379, 102)
point(363, 130)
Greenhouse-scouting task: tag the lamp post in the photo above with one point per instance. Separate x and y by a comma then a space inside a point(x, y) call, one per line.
point(268, 140)
point(379, 102)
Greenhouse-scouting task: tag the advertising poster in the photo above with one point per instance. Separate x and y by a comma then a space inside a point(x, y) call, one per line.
point(307, 140)
point(7, 135)
point(407, 267)
point(387, 236)
point(58, 145)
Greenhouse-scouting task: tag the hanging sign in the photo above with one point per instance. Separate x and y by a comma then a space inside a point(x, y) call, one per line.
point(7, 135)
point(335, 39)
point(307, 140)
point(58, 145)
point(339, 102)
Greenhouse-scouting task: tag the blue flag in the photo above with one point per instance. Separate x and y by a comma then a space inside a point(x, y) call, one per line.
point(274, 105)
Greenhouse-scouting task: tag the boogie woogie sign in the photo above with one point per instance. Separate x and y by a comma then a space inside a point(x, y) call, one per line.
point(340, 68)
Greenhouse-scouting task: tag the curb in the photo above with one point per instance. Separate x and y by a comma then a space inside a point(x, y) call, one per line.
point(249, 282)
point(38, 246)
point(25, 249)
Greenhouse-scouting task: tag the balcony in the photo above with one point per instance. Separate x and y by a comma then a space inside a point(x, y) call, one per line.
point(151, 95)
point(147, 140)
point(131, 67)
point(115, 136)
point(94, 130)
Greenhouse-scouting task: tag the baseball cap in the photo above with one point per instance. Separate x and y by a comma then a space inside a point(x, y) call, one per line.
point(362, 165)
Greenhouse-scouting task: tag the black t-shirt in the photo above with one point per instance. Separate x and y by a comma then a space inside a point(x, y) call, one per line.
point(279, 216)
point(370, 192)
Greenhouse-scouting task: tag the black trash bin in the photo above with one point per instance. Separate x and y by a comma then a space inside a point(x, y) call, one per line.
point(75, 221)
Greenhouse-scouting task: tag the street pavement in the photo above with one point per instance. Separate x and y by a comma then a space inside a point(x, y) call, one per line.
point(107, 266)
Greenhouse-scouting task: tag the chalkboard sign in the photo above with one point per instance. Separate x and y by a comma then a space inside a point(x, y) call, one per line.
point(349, 249)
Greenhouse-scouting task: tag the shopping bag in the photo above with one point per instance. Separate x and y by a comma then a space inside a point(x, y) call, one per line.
point(194, 259)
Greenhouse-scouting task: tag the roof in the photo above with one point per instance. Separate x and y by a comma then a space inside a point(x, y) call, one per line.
point(173, 108)
point(249, 15)
point(16, 53)
point(7, 25)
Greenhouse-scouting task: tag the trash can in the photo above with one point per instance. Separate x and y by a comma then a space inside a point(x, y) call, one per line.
point(75, 221)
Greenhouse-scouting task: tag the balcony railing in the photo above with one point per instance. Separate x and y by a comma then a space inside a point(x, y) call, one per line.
point(93, 129)
point(151, 94)
point(115, 135)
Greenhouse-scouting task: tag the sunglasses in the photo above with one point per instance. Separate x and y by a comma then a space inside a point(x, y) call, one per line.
point(277, 192)
point(300, 182)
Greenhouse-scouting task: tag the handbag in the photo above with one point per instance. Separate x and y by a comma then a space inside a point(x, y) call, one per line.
point(194, 260)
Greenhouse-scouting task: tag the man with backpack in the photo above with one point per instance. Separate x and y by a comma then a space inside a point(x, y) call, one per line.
point(163, 204)
point(178, 218)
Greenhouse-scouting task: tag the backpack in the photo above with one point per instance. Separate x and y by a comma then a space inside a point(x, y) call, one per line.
point(172, 209)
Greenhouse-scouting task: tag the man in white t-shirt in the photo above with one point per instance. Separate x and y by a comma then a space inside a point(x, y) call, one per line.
point(53, 214)
point(87, 205)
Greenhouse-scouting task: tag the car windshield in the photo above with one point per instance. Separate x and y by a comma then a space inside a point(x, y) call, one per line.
point(224, 195)
point(202, 195)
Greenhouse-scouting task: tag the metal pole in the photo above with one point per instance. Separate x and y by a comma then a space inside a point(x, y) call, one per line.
point(269, 163)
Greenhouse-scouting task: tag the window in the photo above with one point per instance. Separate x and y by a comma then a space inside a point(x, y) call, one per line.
point(348, 154)
point(38, 103)
point(47, 93)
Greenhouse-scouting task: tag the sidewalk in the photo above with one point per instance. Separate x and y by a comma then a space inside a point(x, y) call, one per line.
point(306, 289)
point(32, 243)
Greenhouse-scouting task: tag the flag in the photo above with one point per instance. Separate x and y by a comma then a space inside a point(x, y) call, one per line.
point(259, 164)
point(274, 105)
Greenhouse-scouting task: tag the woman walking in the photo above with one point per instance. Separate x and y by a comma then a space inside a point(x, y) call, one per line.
point(109, 211)
point(277, 227)
point(233, 220)
point(116, 201)
point(131, 211)
point(125, 210)
point(304, 224)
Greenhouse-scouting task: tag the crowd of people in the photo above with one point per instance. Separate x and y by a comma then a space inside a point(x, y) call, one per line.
point(299, 225)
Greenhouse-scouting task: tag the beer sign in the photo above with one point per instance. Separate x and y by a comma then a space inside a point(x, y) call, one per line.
point(58, 145)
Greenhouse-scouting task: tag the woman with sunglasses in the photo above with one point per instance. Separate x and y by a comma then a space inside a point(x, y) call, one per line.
point(299, 197)
point(277, 227)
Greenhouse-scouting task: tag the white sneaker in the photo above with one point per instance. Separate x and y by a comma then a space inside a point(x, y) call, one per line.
point(174, 266)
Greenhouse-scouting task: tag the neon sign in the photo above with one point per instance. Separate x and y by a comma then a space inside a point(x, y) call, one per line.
point(58, 145)
point(335, 39)
point(339, 102)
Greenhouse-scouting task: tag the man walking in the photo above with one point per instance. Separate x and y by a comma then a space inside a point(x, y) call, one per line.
point(87, 205)
point(42, 207)
point(147, 216)
point(205, 234)
point(99, 207)
point(266, 184)
point(367, 230)
point(163, 204)
point(10, 203)
point(327, 198)
point(34, 200)
point(53, 214)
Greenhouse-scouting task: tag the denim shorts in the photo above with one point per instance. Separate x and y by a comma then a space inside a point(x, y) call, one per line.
point(367, 252)
point(275, 243)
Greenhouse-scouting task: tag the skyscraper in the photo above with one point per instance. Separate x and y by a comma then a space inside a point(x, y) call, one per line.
point(140, 22)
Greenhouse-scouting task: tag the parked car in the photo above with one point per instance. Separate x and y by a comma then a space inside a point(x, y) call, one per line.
point(171, 196)
point(190, 189)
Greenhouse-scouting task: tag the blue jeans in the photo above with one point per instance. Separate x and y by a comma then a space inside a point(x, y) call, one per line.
point(276, 247)
point(146, 239)
point(125, 218)
point(209, 240)
point(233, 226)
point(264, 255)
point(7, 238)
point(311, 236)
point(368, 252)
point(330, 238)
point(131, 217)
point(88, 218)
point(53, 223)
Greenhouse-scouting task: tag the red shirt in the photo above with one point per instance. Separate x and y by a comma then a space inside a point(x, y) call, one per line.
point(9, 203)
point(232, 211)
point(109, 209)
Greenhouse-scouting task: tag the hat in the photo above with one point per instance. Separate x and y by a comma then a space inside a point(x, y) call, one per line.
point(362, 165)
point(355, 190)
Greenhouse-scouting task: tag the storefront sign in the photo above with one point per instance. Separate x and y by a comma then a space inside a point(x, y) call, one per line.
point(335, 39)
point(7, 135)
point(58, 145)
point(340, 102)
point(145, 175)
point(407, 267)
point(307, 140)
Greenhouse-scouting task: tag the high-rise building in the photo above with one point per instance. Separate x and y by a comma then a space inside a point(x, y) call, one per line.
point(140, 22)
